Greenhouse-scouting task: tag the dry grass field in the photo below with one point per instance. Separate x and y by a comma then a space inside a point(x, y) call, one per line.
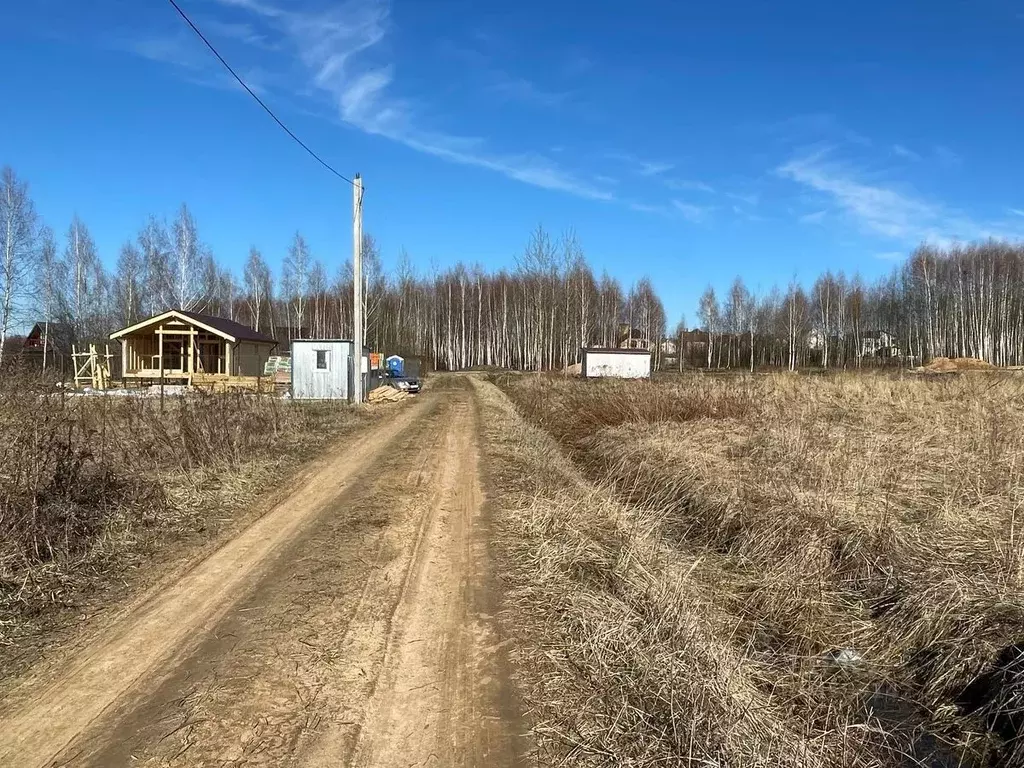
point(96, 489)
point(771, 570)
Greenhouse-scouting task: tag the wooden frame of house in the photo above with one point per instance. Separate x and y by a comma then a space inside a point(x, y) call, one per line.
point(181, 345)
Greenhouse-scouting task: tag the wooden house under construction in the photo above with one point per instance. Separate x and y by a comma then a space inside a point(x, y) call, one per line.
point(184, 346)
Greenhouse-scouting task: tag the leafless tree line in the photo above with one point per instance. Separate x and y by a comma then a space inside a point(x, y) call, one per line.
point(960, 301)
point(536, 315)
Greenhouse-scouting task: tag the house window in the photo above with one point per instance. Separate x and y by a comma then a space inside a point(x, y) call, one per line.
point(322, 360)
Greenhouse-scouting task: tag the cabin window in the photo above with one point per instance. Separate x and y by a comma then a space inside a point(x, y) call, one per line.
point(322, 360)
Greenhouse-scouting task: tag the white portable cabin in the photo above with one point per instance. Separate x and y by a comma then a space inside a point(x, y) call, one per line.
point(323, 369)
point(616, 364)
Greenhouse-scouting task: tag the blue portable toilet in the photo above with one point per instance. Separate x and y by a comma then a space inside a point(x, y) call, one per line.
point(395, 365)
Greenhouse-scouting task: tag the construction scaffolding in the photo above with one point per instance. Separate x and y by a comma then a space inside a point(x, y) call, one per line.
point(92, 369)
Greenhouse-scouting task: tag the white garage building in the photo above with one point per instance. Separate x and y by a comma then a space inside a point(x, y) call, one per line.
point(616, 364)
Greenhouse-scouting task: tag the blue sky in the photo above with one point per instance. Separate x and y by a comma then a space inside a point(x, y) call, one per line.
point(687, 141)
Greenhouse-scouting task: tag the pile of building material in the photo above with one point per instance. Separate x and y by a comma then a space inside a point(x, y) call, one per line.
point(955, 365)
point(386, 395)
point(279, 369)
point(219, 383)
point(169, 390)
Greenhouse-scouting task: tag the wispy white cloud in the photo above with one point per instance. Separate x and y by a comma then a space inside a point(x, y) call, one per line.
point(746, 198)
point(907, 154)
point(176, 50)
point(654, 168)
point(534, 170)
point(246, 34)
point(876, 208)
point(744, 213)
point(256, 6)
point(815, 217)
point(661, 210)
point(697, 214)
point(689, 185)
point(182, 52)
point(639, 165)
point(1016, 211)
point(339, 48)
point(675, 209)
point(886, 210)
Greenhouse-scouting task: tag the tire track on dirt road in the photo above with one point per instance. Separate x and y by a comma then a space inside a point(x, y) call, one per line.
point(442, 698)
point(45, 716)
point(265, 673)
point(363, 637)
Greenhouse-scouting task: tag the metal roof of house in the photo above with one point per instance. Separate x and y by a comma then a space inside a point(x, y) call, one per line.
point(229, 327)
point(221, 326)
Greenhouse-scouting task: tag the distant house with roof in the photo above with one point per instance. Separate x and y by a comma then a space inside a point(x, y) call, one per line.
point(632, 338)
point(48, 345)
point(178, 344)
point(693, 348)
point(879, 344)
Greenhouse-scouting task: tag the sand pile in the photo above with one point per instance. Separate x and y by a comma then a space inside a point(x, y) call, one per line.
point(953, 365)
point(386, 395)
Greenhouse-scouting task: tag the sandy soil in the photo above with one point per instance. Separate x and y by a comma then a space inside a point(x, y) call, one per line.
point(351, 625)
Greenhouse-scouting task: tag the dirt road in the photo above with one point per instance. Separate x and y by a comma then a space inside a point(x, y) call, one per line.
point(350, 625)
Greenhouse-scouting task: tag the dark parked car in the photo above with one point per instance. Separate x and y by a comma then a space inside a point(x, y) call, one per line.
point(404, 383)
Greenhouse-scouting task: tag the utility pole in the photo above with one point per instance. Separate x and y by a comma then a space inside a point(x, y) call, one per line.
point(357, 286)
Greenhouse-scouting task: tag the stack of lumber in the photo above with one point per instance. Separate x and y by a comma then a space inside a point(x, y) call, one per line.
point(279, 370)
point(219, 383)
point(386, 395)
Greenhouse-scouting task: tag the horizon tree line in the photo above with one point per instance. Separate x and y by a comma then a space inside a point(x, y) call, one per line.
point(964, 300)
point(959, 301)
point(536, 315)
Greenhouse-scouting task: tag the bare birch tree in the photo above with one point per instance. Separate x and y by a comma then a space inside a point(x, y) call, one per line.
point(128, 285)
point(84, 289)
point(49, 287)
point(17, 241)
point(158, 273)
point(295, 283)
point(258, 287)
point(710, 316)
point(188, 261)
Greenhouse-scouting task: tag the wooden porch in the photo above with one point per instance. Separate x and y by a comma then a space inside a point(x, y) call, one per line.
point(174, 350)
point(187, 347)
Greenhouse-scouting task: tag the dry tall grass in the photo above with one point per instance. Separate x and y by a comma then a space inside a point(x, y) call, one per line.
point(850, 544)
point(92, 486)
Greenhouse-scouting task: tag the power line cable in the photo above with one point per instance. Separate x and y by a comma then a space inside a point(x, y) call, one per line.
point(259, 101)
